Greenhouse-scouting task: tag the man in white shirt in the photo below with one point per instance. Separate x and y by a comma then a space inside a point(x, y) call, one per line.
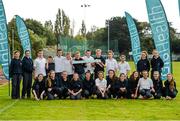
point(68, 65)
point(111, 63)
point(89, 66)
point(59, 64)
point(39, 64)
point(123, 66)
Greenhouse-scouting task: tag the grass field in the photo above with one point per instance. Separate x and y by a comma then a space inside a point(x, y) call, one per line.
point(91, 109)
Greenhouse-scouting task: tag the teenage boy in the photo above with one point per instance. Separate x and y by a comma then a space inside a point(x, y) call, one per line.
point(59, 64)
point(123, 66)
point(39, 65)
point(99, 66)
point(89, 66)
point(27, 67)
point(111, 63)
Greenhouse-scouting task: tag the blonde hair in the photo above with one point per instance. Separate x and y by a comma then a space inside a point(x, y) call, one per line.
point(98, 50)
point(146, 53)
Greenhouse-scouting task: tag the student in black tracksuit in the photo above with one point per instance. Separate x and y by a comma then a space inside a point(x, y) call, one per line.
point(79, 68)
point(88, 85)
point(52, 90)
point(158, 85)
point(27, 66)
point(111, 78)
point(132, 84)
point(50, 65)
point(75, 87)
point(38, 88)
point(120, 87)
point(170, 87)
point(64, 85)
point(143, 64)
point(16, 74)
point(100, 65)
point(156, 63)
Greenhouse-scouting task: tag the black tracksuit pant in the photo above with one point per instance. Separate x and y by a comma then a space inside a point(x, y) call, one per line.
point(16, 80)
point(27, 83)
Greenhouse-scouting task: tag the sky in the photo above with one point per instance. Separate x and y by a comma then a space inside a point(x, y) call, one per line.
point(96, 14)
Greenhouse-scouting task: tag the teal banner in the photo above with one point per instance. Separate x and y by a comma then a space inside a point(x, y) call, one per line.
point(135, 41)
point(179, 6)
point(4, 45)
point(161, 35)
point(23, 33)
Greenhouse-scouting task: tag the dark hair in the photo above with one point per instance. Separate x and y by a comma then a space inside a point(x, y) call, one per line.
point(88, 50)
point(27, 51)
point(40, 50)
point(114, 76)
point(59, 50)
point(50, 57)
point(88, 72)
point(132, 76)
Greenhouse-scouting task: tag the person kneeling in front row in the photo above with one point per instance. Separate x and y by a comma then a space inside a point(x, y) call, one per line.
point(170, 87)
point(101, 85)
point(145, 86)
point(75, 88)
point(38, 88)
point(52, 90)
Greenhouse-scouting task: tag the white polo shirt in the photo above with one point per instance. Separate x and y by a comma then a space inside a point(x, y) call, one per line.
point(88, 65)
point(124, 67)
point(111, 64)
point(39, 66)
point(59, 64)
point(68, 67)
point(145, 83)
point(102, 84)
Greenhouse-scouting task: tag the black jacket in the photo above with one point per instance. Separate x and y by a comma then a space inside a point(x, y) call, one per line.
point(40, 85)
point(79, 68)
point(27, 65)
point(119, 84)
point(97, 66)
point(51, 66)
point(157, 64)
point(76, 85)
point(64, 84)
point(167, 89)
point(15, 67)
point(158, 85)
point(88, 85)
point(132, 84)
point(143, 65)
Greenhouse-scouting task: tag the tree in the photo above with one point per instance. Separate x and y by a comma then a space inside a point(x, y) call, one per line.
point(48, 25)
point(83, 29)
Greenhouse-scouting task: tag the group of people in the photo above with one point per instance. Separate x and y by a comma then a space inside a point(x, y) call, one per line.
point(77, 77)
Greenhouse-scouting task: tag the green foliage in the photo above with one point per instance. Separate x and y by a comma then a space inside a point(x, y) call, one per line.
point(62, 24)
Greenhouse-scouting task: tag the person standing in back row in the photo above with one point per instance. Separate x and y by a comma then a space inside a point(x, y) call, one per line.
point(156, 63)
point(123, 66)
point(89, 66)
point(39, 65)
point(59, 64)
point(143, 64)
point(111, 63)
point(99, 66)
point(79, 68)
point(27, 66)
point(16, 74)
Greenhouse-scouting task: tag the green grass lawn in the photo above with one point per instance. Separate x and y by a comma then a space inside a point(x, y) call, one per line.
point(91, 109)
